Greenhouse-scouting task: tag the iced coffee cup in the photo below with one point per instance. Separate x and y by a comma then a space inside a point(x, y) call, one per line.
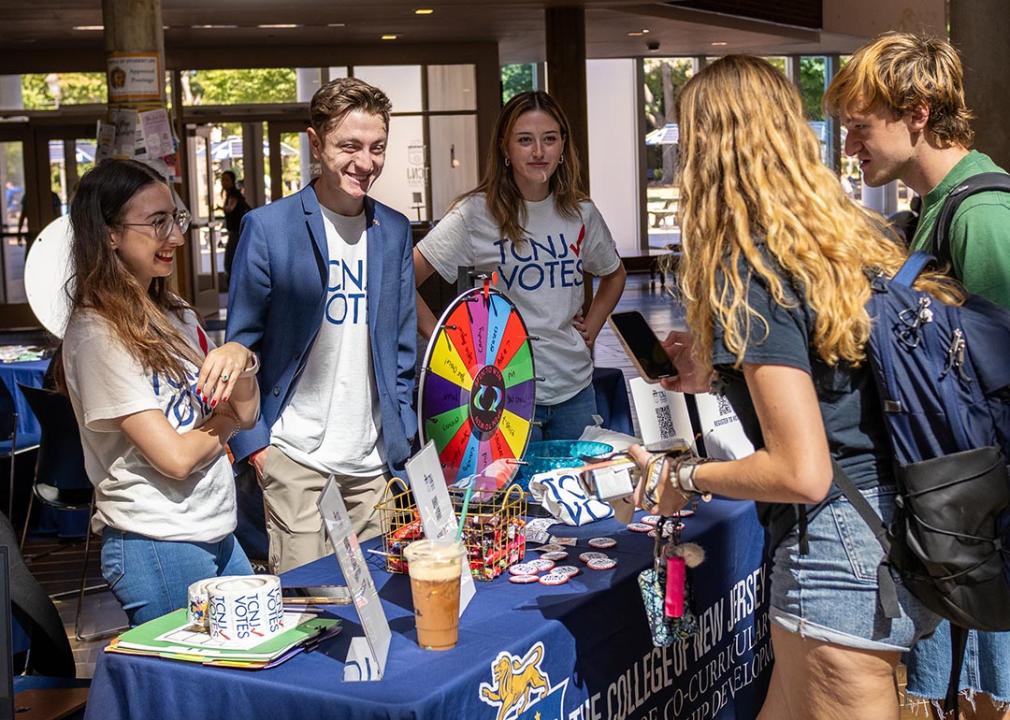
point(434, 569)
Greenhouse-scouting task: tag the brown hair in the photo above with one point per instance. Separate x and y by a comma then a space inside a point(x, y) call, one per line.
point(901, 71)
point(101, 283)
point(504, 201)
point(334, 100)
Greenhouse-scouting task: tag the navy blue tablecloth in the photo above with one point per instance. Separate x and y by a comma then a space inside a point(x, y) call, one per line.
point(612, 400)
point(26, 373)
point(582, 649)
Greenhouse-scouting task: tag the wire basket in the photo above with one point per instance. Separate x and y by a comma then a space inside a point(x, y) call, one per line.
point(493, 533)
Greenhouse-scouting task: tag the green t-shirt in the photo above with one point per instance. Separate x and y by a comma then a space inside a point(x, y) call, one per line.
point(979, 233)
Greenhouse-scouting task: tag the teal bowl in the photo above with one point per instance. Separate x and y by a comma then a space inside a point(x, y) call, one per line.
point(557, 454)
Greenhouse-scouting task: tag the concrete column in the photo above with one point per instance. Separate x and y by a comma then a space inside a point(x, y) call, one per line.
point(566, 74)
point(979, 29)
point(135, 26)
point(883, 199)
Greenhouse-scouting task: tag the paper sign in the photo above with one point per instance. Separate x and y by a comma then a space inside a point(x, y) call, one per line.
point(721, 428)
point(156, 131)
point(366, 658)
point(106, 141)
point(125, 136)
point(664, 415)
point(133, 77)
point(427, 482)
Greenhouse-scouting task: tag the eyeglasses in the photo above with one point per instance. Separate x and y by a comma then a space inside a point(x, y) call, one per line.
point(163, 224)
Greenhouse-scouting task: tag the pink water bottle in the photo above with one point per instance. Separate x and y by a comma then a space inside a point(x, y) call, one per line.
point(673, 607)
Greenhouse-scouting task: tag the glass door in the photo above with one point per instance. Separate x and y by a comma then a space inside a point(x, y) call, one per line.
point(206, 231)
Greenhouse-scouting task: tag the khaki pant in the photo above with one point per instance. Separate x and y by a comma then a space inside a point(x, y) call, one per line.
point(294, 525)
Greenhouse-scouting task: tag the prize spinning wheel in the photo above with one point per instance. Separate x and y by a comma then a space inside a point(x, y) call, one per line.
point(477, 390)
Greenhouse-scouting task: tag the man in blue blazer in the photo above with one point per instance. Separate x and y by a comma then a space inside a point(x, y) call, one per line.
point(323, 292)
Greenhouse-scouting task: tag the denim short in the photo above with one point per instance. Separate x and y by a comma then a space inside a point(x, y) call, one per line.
point(986, 665)
point(830, 593)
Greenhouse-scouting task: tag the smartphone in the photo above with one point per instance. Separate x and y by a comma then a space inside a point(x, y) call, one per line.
point(642, 346)
point(316, 595)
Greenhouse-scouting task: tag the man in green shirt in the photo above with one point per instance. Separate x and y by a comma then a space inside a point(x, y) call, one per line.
point(901, 99)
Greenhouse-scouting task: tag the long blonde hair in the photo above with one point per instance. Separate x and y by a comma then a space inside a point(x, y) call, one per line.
point(504, 201)
point(752, 175)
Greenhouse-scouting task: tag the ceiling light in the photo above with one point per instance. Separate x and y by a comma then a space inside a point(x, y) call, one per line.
point(213, 27)
point(635, 33)
point(390, 37)
point(424, 11)
point(279, 26)
point(336, 24)
point(719, 43)
point(89, 27)
point(645, 31)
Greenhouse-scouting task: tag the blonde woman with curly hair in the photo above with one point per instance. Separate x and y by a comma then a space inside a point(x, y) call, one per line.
point(775, 273)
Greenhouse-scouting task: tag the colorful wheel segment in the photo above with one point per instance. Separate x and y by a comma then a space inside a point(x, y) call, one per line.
point(477, 392)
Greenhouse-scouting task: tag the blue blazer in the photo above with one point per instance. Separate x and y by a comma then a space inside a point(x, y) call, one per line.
point(277, 298)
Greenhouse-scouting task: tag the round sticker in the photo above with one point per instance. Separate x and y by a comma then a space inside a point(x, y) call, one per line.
point(523, 579)
point(553, 579)
point(569, 570)
point(541, 564)
point(550, 547)
point(587, 556)
point(602, 564)
point(602, 542)
point(686, 512)
point(555, 555)
point(522, 569)
point(640, 527)
point(650, 520)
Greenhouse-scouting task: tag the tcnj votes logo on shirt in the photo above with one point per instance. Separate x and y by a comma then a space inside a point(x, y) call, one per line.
point(552, 263)
point(346, 292)
point(184, 407)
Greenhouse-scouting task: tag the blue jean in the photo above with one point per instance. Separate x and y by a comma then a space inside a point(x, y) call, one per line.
point(567, 419)
point(150, 577)
point(830, 593)
point(986, 665)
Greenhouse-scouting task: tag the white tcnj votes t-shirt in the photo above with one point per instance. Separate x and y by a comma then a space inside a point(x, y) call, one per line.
point(332, 422)
point(105, 382)
point(543, 276)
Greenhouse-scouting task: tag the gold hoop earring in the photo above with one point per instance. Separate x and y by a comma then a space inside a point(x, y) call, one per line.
point(507, 163)
point(561, 160)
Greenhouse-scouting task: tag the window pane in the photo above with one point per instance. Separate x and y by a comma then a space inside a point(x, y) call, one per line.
point(48, 91)
point(12, 194)
point(452, 87)
point(239, 87)
point(401, 185)
point(453, 159)
point(307, 81)
point(401, 83)
point(295, 162)
point(338, 72)
point(516, 79)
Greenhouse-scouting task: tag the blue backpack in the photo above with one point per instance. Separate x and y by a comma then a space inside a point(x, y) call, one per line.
point(943, 375)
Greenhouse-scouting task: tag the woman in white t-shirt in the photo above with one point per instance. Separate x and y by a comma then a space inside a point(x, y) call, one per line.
point(156, 403)
point(531, 222)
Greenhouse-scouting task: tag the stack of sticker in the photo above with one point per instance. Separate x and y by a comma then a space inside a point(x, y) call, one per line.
point(530, 572)
point(239, 607)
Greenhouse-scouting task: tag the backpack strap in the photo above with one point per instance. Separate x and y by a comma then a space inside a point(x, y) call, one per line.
point(888, 591)
point(958, 644)
point(912, 266)
point(939, 241)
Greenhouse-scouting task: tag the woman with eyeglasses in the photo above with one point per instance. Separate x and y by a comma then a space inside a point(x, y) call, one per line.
point(155, 401)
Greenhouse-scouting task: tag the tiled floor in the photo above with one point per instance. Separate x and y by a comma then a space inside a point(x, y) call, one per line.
point(101, 611)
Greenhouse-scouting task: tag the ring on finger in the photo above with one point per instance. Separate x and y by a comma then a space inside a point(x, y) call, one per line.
point(224, 377)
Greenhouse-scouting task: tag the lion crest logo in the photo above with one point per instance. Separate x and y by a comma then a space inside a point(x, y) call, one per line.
point(517, 682)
